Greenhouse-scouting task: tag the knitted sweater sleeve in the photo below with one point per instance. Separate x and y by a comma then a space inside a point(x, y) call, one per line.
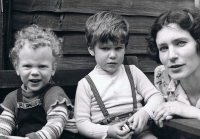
point(82, 113)
point(152, 97)
point(7, 122)
point(56, 105)
point(7, 115)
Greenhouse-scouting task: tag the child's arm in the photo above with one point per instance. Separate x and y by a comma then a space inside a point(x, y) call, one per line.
point(55, 104)
point(7, 121)
point(152, 97)
point(83, 117)
point(82, 113)
point(56, 120)
point(139, 120)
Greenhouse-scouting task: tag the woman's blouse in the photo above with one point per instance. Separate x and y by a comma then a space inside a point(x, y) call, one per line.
point(171, 89)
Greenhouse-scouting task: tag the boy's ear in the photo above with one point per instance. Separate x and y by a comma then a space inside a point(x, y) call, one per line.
point(16, 68)
point(54, 68)
point(91, 51)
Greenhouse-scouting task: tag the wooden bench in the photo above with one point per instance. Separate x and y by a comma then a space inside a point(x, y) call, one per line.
point(68, 80)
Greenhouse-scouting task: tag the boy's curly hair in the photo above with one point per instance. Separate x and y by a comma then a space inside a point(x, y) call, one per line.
point(104, 26)
point(37, 37)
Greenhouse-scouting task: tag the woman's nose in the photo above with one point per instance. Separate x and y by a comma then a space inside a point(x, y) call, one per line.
point(173, 54)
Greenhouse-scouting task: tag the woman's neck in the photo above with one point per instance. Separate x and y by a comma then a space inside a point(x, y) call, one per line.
point(191, 85)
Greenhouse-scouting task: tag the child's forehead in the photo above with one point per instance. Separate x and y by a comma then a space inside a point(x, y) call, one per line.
point(41, 50)
point(110, 43)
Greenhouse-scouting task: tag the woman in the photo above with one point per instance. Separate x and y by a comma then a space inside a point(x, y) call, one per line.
point(175, 42)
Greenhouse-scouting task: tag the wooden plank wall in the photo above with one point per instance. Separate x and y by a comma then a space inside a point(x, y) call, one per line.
point(67, 19)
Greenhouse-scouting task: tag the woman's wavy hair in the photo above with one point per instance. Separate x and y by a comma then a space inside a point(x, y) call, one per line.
point(104, 26)
point(36, 37)
point(187, 18)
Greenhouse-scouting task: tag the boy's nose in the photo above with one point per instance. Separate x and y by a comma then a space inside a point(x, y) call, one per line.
point(34, 72)
point(112, 55)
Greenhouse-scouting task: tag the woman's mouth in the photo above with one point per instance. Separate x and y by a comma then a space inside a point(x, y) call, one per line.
point(176, 66)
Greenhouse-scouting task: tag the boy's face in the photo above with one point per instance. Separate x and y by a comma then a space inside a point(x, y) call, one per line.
point(108, 56)
point(35, 66)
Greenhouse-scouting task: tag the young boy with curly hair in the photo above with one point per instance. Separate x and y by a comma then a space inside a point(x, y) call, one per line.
point(109, 99)
point(38, 109)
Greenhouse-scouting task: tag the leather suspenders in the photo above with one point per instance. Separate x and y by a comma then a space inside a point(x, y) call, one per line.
point(108, 117)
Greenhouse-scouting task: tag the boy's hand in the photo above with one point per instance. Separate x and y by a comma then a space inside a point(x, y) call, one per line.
point(13, 137)
point(119, 131)
point(139, 120)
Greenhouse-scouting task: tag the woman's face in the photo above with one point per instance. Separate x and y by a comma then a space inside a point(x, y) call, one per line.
point(177, 51)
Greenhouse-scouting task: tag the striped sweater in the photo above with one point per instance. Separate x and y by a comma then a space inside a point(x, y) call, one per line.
point(55, 104)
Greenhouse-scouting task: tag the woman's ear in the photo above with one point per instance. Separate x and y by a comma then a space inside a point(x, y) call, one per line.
point(91, 51)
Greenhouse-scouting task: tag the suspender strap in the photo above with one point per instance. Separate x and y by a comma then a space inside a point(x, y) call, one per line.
point(97, 96)
point(19, 95)
point(130, 77)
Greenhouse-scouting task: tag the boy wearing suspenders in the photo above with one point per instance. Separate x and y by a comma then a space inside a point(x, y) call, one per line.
point(109, 99)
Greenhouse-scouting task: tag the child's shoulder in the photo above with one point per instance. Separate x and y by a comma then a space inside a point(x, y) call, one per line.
point(12, 95)
point(134, 69)
point(10, 100)
point(56, 91)
point(55, 96)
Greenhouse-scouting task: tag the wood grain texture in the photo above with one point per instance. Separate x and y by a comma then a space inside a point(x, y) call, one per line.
point(72, 21)
point(191, 126)
point(86, 61)
point(126, 7)
point(75, 43)
point(1, 38)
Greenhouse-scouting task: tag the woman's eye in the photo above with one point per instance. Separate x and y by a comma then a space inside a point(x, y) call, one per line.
point(181, 43)
point(163, 49)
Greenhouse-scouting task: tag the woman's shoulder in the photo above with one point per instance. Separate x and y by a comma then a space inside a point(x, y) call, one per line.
point(160, 72)
point(160, 69)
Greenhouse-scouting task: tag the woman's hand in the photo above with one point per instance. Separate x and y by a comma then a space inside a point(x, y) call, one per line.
point(166, 110)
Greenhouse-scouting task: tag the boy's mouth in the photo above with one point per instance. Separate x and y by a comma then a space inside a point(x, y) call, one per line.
point(112, 63)
point(35, 80)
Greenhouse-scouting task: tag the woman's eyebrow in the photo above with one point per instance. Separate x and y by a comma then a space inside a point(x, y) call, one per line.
point(180, 39)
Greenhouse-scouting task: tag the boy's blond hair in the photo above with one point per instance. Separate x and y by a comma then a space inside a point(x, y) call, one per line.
point(37, 37)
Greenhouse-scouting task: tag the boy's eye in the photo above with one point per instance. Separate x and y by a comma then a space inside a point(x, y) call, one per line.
point(181, 43)
point(105, 48)
point(163, 49)
point(119, 48)
point(42, 66)
point(27, 66)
